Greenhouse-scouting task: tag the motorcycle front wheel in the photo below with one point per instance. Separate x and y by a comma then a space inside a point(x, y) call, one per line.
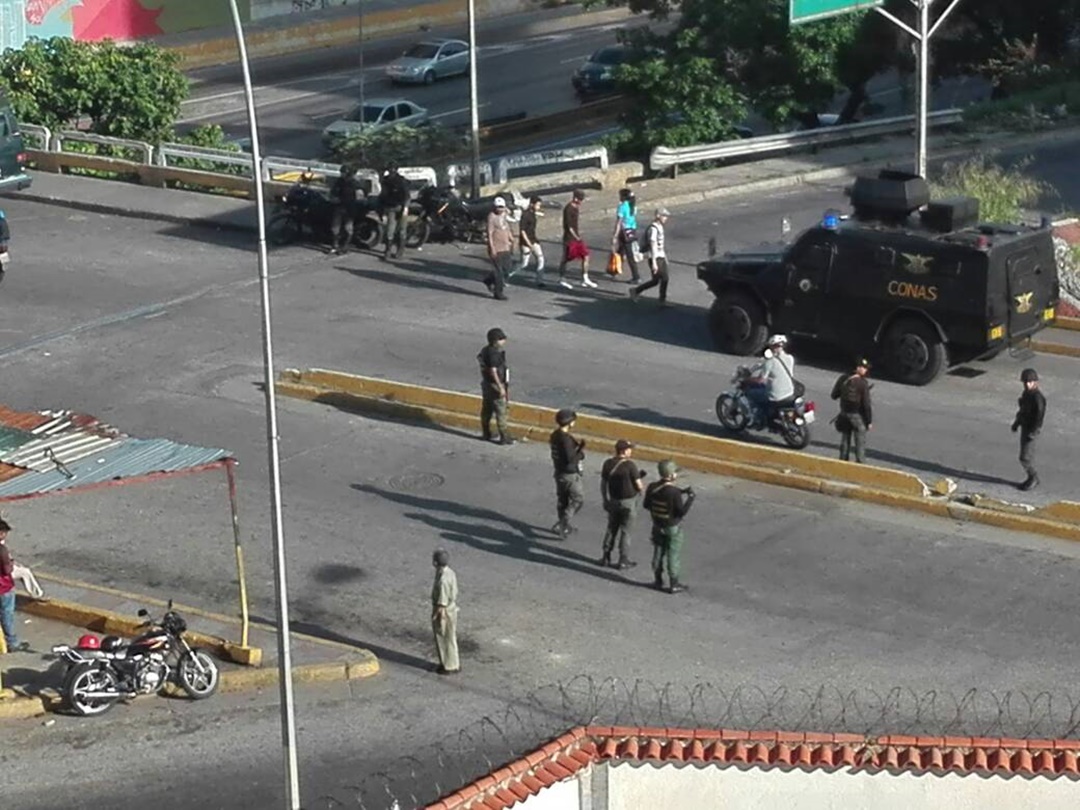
point(83, 683)
point(282, 229)
point(368, 232)
point(417, 234)
point(796, 436)
point(730, 414)
point(199, 675)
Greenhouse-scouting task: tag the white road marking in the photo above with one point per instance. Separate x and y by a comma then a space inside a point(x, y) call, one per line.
point(456, 112)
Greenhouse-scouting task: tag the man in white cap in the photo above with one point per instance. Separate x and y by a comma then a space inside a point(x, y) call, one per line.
point(500, 243)
point(657, 256)
point(773, 379)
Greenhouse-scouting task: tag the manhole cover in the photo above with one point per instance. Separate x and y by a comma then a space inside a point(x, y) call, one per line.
point(416, 482)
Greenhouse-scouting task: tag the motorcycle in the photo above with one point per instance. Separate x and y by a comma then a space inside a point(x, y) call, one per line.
point(446, 217)
point(101, 672)
point(304, 210)
point(791, 417)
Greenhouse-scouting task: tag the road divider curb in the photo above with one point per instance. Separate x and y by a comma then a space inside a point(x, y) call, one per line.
point(339, 31)
point(767, 465)
point(1065, 322)
point(1062, 349)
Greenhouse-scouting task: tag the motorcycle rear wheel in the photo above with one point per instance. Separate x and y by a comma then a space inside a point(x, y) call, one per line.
point(417, 234)
point(199, 681)
point(82, 681)
point(796, 436)
point(730, 414)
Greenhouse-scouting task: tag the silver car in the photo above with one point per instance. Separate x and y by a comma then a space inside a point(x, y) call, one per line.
point(427, 61)
point(373, 115)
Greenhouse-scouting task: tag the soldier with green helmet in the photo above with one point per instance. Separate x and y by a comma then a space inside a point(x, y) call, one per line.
point(668, 505)
point(568, 456)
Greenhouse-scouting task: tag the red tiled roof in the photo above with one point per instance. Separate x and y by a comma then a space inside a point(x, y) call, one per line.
point(583, 746)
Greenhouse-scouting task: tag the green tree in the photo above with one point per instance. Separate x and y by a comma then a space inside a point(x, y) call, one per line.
point(121, 91)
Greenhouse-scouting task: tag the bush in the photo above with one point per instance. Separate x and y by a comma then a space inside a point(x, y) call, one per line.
point(1002, 193)
point(1028, 110)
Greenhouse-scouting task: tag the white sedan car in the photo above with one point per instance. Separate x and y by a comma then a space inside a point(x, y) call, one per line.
point(430, 60)
point(373, 115)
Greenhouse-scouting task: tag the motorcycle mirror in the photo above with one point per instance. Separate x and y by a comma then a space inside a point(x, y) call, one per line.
point(170, 605)
point(712, 247)
point(143, 613)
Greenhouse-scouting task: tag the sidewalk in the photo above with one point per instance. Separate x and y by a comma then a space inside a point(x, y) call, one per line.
point(70, 609)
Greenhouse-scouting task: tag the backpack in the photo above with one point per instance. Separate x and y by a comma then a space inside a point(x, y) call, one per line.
point(643, 240)
point(849, 392)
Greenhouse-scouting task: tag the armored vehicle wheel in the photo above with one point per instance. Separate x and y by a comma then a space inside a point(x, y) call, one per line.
point(737, 324)
point(913, 352)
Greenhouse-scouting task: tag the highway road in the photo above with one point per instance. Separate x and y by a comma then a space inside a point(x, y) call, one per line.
point(155, 328)
point(526, 62)
point(525, 65)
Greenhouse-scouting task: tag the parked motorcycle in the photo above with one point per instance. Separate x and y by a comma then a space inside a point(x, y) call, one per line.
point(306, 211)
point(101, 672)
point(791, 417)
point(449, 218)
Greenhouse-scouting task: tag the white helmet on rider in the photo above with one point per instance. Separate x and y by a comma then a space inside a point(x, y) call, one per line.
point(777, 340)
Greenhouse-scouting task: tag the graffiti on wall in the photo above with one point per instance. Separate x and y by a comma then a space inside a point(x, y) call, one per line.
point(92, 20)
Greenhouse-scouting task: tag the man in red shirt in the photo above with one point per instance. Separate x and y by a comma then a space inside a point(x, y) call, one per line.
point(7, 591)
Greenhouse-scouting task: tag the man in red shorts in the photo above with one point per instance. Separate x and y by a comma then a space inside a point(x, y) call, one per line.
point(574, 247)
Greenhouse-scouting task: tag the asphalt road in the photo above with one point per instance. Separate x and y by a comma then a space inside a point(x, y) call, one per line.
point(525, 65)
point(526, 62)
point(155, 328)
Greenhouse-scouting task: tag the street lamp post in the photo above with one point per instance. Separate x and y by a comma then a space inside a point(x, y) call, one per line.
point(288, 714)
point(474, 110)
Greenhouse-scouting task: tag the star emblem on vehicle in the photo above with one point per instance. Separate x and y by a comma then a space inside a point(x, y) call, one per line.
point(917, 264)
point(1023, 302)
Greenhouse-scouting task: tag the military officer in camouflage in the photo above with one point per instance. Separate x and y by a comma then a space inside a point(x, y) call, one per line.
point(668, 505)
point(568, 455)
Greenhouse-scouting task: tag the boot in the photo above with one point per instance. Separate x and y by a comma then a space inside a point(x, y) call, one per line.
point(625, 564)
point(506, 440)
point(604, 561)
point(658, 583)
point(1030, 483)
point(677, 587)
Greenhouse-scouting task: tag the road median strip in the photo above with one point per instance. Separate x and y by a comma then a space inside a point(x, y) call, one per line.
point(762, 464)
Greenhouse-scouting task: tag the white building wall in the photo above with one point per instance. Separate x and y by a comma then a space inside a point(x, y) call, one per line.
point(681, 788)
point(560, 796)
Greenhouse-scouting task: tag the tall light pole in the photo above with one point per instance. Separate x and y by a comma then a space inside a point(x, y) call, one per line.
point(288, 713)
point(474, 109)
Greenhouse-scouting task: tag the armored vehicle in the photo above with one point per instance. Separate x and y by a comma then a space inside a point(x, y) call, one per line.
point(919, 285)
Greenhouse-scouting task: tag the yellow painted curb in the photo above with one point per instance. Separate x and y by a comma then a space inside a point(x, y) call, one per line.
point(19, 707)
point(1065, 322)
point(360, 667)
point(539, 421)
point(879, 486)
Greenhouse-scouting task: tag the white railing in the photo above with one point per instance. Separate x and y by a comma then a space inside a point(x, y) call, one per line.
point(664, 157)
point(57, 141)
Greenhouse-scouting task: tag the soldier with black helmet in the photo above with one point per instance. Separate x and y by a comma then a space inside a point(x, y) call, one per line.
point(856, 415)
point(1029, 421)
point(494, 385)
point(668, 505)
point(620, 485)
point(568, 456)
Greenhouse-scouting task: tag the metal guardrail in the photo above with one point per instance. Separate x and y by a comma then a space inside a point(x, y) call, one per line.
point(56, 143)
point(664, 157)
point(458, 173)
point(168, 153)
point(43, 135)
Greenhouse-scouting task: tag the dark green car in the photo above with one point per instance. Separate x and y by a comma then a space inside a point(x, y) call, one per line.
point(13, 176)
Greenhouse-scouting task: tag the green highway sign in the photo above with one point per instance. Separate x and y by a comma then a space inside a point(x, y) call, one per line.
point(806, 10)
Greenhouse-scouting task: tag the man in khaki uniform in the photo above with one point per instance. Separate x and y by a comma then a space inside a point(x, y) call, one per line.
point(444, 611)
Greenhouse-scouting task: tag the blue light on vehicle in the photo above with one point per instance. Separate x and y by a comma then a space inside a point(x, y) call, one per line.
point(830, 220)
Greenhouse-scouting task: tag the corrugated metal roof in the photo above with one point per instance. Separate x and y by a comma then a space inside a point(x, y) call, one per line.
point(120, 458)
point(65, 437)
point(21, 419)
point(11, 438)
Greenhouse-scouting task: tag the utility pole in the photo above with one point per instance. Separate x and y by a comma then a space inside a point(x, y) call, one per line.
point(288, 710)
point(922, 38)
point(474, 109)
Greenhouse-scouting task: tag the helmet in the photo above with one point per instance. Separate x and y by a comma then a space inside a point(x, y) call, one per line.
point(1029, 375)
point(777, 340)
point(667, 468)
point(565, 417)
point(498, 202)
point(89, 642)
point(111, 643)
point(495, 334)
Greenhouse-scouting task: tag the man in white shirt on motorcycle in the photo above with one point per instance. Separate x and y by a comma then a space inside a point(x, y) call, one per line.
point(772, 380)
